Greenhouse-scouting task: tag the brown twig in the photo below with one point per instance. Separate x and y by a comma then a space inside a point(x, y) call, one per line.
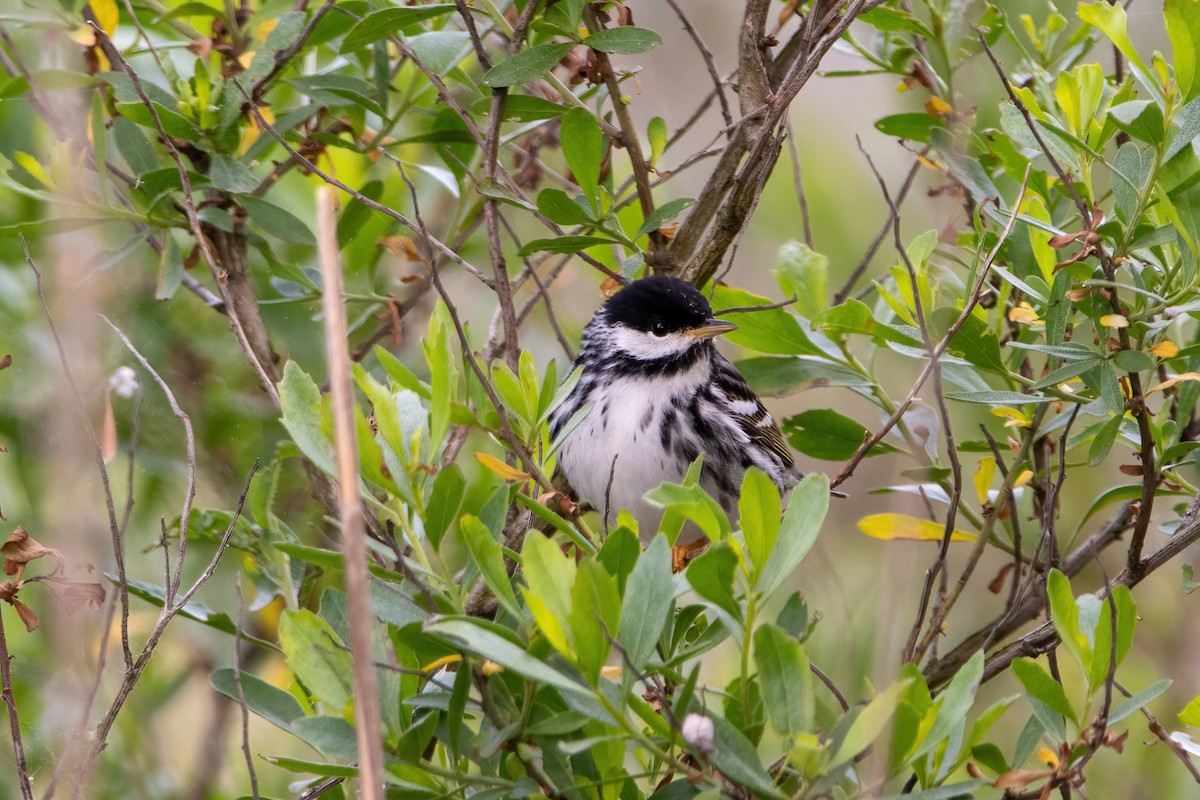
point(709, 62)
point(354, 549)
point(172, 586)
point(241, 692)
point(14, 721)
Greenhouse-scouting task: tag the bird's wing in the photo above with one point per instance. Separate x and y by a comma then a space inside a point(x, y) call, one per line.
point(749, 412)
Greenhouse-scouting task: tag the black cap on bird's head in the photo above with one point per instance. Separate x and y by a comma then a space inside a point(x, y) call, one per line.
point(661, 305)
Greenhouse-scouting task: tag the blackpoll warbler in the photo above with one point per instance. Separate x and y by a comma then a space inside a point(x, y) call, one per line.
point(661, 395)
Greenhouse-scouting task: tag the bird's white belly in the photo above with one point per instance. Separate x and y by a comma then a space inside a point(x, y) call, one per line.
point(620, 440)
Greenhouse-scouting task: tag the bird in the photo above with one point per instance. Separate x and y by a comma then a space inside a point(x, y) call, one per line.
point(661, 395)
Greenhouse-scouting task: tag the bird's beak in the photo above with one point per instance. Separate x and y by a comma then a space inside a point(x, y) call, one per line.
point(711, 328)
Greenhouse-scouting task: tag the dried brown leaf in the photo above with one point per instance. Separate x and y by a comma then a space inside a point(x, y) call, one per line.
point(5, 361)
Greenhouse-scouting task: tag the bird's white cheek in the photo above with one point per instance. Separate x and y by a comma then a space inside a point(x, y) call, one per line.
point(648, 347)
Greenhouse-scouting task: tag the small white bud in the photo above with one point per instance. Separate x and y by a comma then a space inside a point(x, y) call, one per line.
point(697, 731)
point(124, 381)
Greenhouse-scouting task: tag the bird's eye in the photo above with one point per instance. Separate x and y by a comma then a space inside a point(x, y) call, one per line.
point(658, 328)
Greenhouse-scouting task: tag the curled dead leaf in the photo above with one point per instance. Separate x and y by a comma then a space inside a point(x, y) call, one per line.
point(5, 361)
point(1131, 469)
point(8, 593)
point(1020, 778)
point(401, 247)
point(21, 548)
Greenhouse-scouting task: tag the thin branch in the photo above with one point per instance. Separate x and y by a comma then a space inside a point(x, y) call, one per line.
point(354, 548)
point(190, 493)
point(709, 62)
point(798, 181)
point(14, 721)
point(241, 691)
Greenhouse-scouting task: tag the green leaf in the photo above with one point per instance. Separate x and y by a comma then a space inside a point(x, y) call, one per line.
point(549, 575)
point(1132, 167)
point(440, 51)
point(647, 604)
point(311, 767)
point(771, 331)
point(1064, 612)
point(274, 705)
point(231, 175)
point(953, 704)
point(1133, 361)
point(974, 340)
point(522, 108)
point(997, 398)
point(583, 148)
point(385, 23)
point(689, 503)
point(1191, 713)
point(174, 123)
point(471, 635)
point(1103, 440)
point(1041, 686)
point(802, 522)
point(218, 620)
point(735, 755)
point(1113, 23)
point(801, 273)
point(626, 40)
point(827, 435)
point(318, 657)
point(557, 206)
point(869, 723)
point(656, 133)
point(595, 616)
point(333, 736)
point(563, 244)
point(759, 509)
point(1136, 702)
point(663, 214)
point(779, 377)
point(300, 401)
point(276, 221)
point(487, 555)
point(527, 65)
point(916, 127)
point(1183, 28)
point(445, 501)
point(134, 147)
point(950, 791)
point(711, 575)
point(786, 680)
point(1103, 649)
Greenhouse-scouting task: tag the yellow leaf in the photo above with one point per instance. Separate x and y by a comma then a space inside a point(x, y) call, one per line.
point(107, 15)
point(263, 29)
point(1169, 382)
point(1165, 349)
point(902, 526)
point(437, 664)
point(983, 478)
point(1024, 313)
point(491, 668)
point(251, 130)
point(937, 107)
point(500, 468)
point(84, 35)
point(1048, 757)
point(1022, 479)
point(612, 672)
point(1016, 418)
point(1114, 321)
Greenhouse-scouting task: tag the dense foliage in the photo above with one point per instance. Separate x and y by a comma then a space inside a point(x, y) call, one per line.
point(484, 157)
